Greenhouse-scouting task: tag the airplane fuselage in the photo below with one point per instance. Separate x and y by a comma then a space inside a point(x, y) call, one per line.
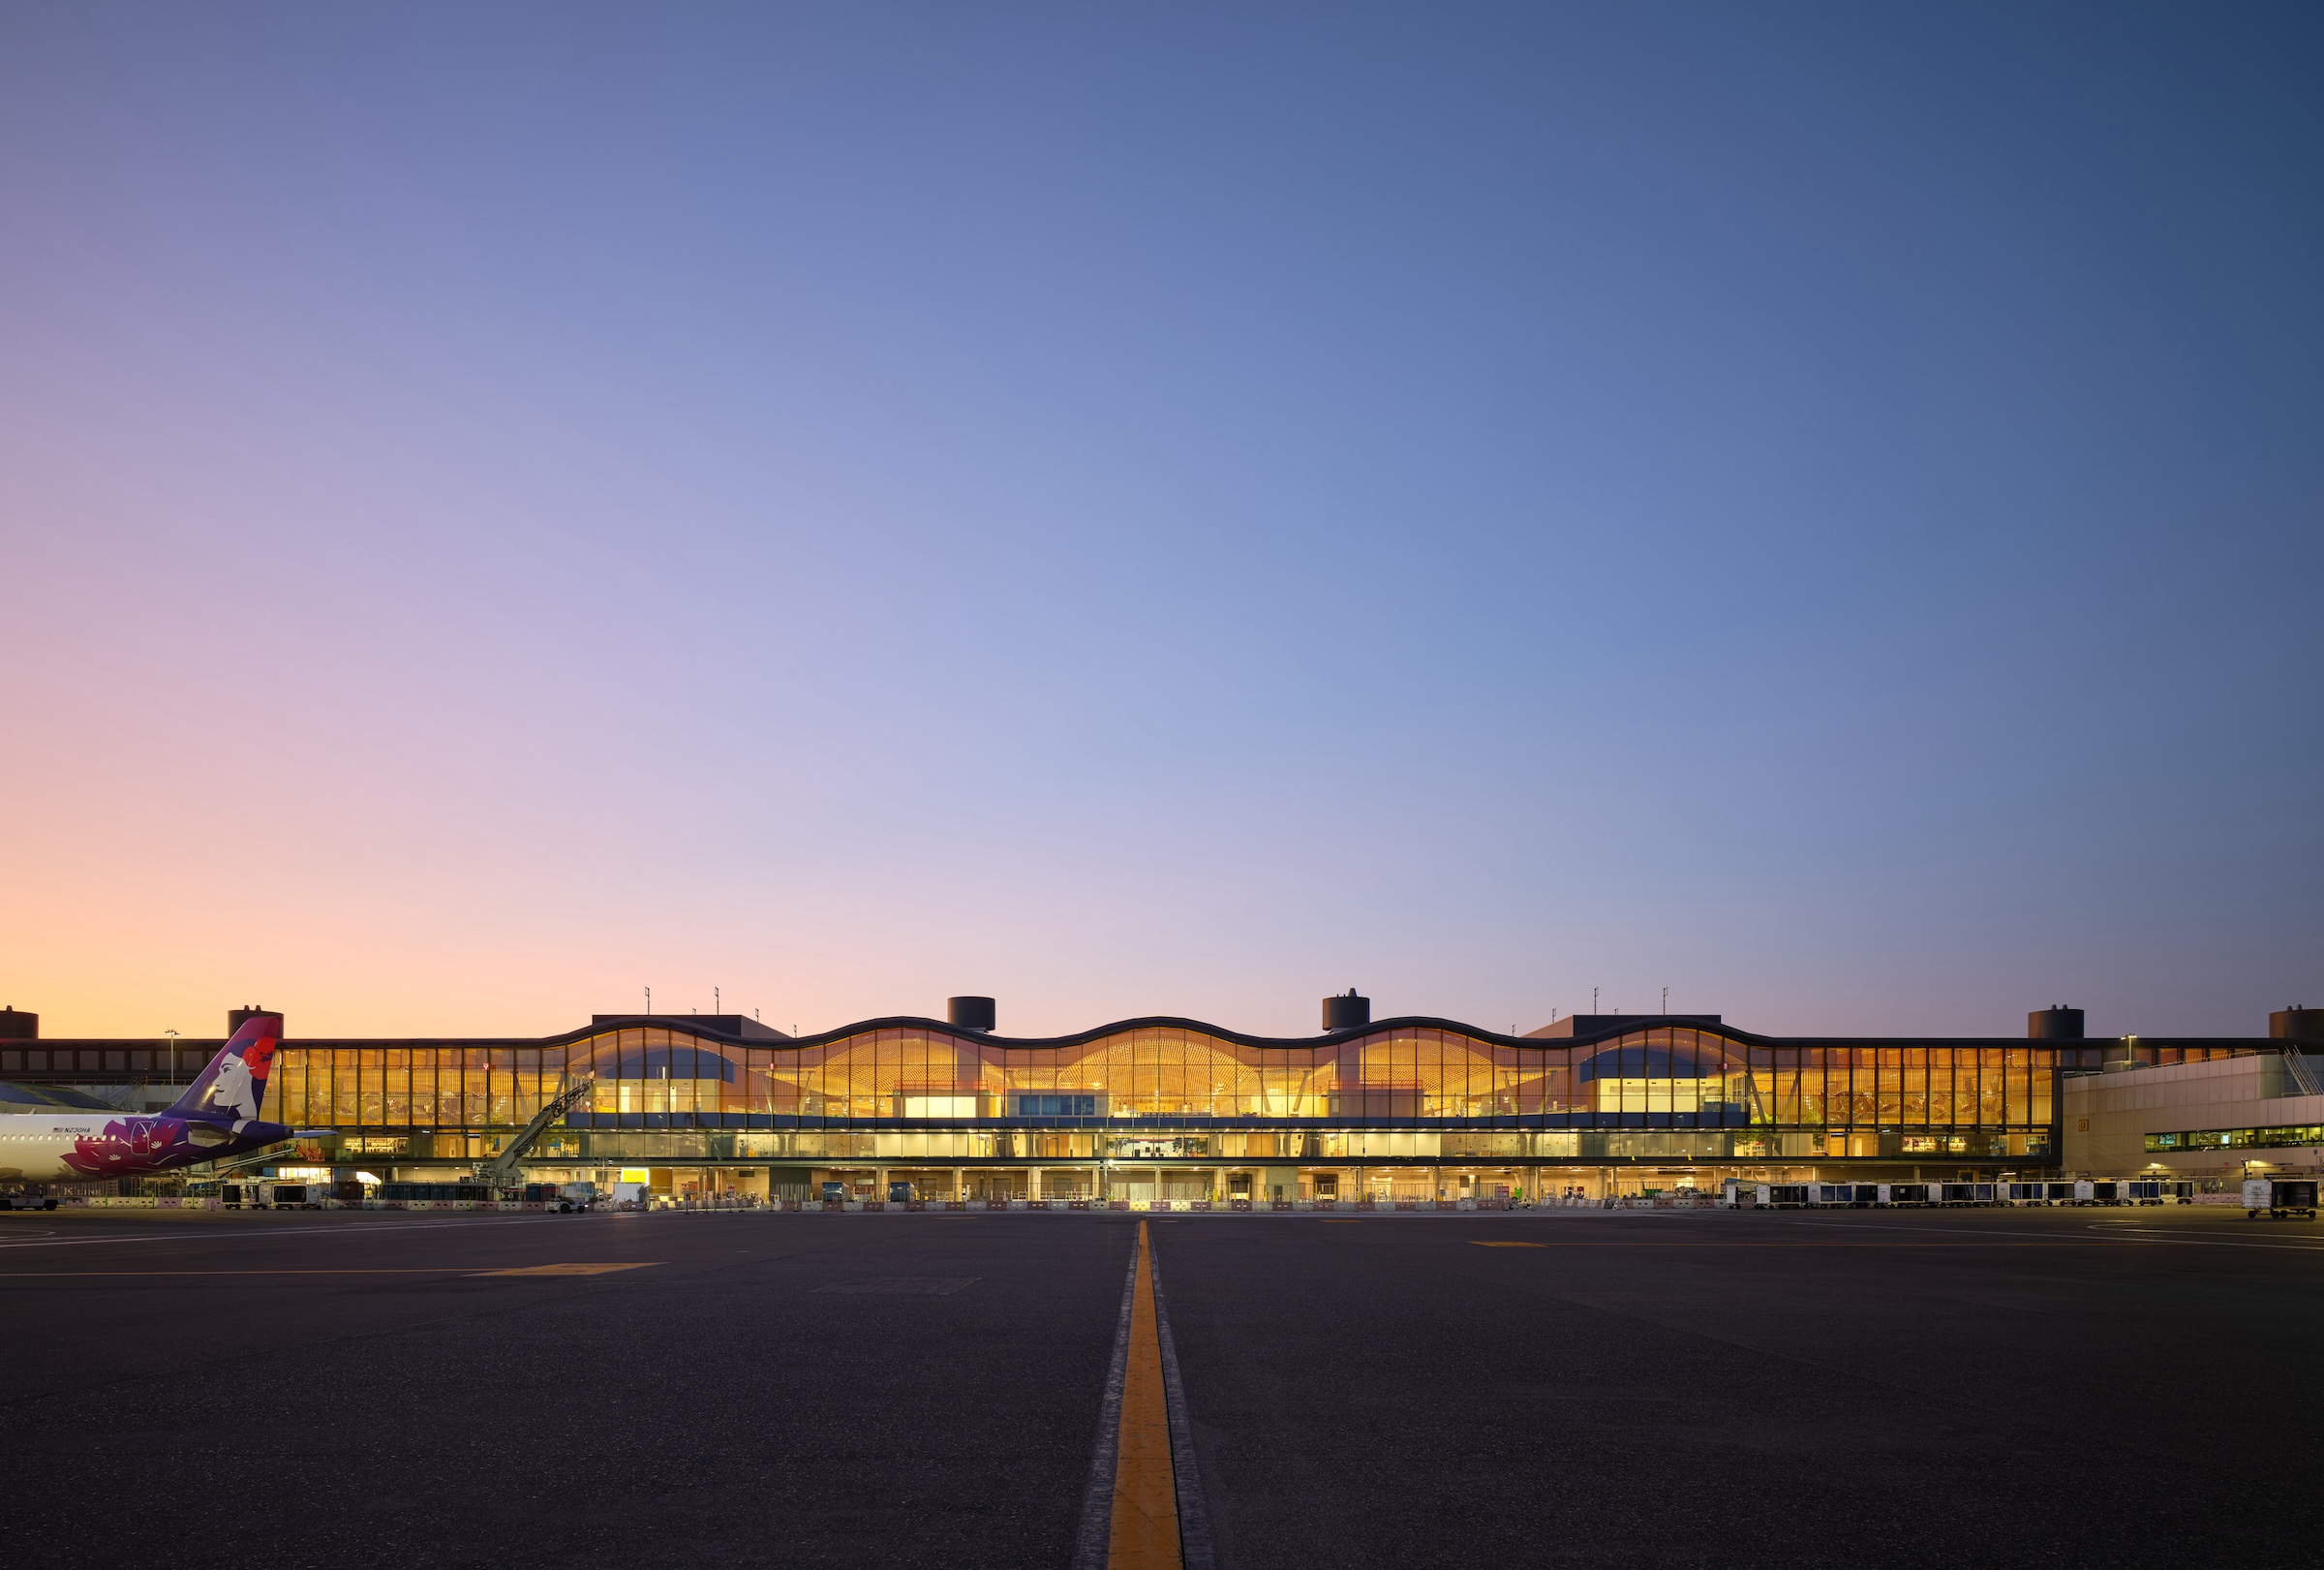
point(67, 1143)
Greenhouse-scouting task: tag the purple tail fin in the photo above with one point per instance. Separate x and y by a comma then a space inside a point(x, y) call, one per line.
point(233, 1088)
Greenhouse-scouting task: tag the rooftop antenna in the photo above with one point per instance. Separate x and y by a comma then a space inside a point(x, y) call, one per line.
point(1666, 999)
point(648, 1003)
point(716, 1006)
point(1592, 1000)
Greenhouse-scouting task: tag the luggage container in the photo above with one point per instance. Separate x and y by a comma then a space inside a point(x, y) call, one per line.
point(267, 1194)
point(2142, 1191)
point(2028, 1193)
point(1908, 1194)
point(1967, 1193)
point(560, 1197)
point(435, 1193)
point(1781, 1196)
point(2281, 1199)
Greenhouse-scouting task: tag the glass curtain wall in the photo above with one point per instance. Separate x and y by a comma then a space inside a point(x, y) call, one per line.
point(1824, 1098)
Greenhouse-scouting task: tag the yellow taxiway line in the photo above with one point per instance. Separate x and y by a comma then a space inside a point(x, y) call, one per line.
point(1145, 1533)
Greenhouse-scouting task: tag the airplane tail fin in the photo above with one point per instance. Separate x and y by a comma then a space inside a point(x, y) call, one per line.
point(234, 1087)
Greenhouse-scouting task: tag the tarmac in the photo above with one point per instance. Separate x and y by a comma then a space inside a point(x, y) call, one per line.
point(1730, 1389)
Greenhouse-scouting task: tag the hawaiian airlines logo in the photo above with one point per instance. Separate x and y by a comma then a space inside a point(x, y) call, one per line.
point(241, 1080)
point(128, 1146)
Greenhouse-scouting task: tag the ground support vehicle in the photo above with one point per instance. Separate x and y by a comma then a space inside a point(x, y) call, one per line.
point(267, 1195)
point(2280, 1199)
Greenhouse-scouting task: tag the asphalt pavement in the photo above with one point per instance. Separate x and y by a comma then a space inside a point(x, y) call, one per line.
point(2100, 1388)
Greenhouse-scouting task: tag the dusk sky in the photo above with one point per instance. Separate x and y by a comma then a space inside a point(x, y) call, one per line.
point(1167, 509)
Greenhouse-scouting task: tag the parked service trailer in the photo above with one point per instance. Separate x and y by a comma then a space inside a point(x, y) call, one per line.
point(1910, 1193)
point(1781, 1196)
point(1969, 1193)
point(2281, 1199)
point(2028, 1193)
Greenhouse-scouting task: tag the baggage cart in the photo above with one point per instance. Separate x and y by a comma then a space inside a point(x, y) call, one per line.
point(2281, 1199)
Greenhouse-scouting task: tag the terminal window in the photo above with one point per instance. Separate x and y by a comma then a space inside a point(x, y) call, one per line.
point(1056, 1106)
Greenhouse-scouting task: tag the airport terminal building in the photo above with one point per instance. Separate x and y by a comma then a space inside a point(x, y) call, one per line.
point(1162, 1109)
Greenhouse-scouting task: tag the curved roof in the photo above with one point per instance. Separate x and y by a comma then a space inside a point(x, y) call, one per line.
point(1627, 1026)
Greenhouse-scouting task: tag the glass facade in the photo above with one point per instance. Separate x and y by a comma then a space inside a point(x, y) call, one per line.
point(1170, 1109)
point(1175, 1092)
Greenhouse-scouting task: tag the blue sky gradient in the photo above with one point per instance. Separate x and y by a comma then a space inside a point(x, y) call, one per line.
point(1175, 509)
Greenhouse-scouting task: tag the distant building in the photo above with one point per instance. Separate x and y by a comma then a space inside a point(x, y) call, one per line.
point(2219, 1122)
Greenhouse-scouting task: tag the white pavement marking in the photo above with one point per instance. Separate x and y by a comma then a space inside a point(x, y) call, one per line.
point(1093, 1540)
point(225, 1234)
point(2119, 1230)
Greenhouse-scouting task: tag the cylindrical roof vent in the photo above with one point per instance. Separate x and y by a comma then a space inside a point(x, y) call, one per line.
point(2297, 1023)
point(1350, 1012)
point(2057, 1023)
point(970, 1013)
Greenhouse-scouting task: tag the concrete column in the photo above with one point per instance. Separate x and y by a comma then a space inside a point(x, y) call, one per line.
point(1032, 1182)
point(958, 1183)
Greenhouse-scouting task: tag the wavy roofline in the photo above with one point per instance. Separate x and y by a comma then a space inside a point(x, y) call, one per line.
point(1628, 1025)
